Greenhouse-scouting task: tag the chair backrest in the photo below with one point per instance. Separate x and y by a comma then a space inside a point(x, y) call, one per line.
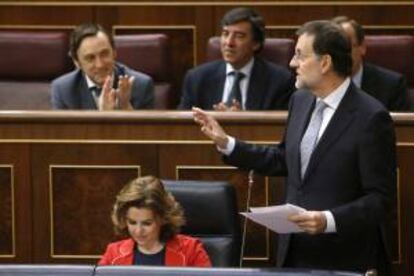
point(46, 270)
point(30, 61)
point(211, 213)
point(276, 50)
point(395, 52)
point(148, 53)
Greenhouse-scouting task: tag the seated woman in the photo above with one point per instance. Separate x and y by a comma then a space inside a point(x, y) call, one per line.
point(151, 217)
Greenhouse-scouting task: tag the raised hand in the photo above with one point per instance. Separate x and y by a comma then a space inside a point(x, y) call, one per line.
point(124, 91)
point(210, 127)
point(107, 99)
point(223, 107)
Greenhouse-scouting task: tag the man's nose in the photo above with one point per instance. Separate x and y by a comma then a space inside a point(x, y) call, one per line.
point(229, 40)
point(99, 62)
point(293, 62)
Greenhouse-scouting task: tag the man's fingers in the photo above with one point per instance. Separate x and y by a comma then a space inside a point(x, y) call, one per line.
point(106, 88)
point(297, 218)
point(311, 222)
point(201, 115)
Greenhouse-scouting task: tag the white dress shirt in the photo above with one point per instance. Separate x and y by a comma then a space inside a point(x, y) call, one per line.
point(244, 82)
point(91, 84)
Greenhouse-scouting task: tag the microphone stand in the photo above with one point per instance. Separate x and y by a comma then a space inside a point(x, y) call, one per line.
point(249, 193)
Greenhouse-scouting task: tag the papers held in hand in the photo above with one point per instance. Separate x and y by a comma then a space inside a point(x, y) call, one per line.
point(275, 217)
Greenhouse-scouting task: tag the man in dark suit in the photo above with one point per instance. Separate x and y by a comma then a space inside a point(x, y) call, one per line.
point(388, 86)
point(216, 85)
point(99, 82)
point(338, 156)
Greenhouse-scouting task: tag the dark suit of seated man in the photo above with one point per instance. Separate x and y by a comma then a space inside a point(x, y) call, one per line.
point(99, 82)
point(241, 80)
point(387, 86)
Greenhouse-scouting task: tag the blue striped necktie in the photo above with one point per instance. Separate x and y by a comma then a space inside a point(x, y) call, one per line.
point(235, 93)
point(309, 139)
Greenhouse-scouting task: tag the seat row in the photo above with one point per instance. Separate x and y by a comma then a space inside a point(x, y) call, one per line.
point(33, 59)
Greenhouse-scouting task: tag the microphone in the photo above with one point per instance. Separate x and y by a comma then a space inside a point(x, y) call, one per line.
point(244, 233)
point(118, 72)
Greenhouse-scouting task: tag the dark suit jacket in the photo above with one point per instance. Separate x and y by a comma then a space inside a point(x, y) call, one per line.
point(387, 86)
point(352, 173)
point(70, 91)
point(269, 88)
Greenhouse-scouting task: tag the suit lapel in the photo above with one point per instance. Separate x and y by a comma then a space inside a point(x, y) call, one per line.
point(342, 118)
point(86, 98)
point(368, 80)
point(299, 123)
point(217, 86)
point(256, 90)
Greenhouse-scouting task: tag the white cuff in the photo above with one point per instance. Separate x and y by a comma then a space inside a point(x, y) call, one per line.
point(230, 146)
point(330, 222)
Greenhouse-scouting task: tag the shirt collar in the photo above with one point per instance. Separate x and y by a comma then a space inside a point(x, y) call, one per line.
point(357, 78)
point(246, 69)
point(334, 98)
point(90, 83)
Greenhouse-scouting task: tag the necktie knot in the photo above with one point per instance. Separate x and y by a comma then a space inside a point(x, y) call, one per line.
point(96, 91)
point(235, 93)
point(320, 107)
point(238, 76)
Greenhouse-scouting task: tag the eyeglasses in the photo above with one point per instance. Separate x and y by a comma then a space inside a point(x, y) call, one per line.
point(299, 56)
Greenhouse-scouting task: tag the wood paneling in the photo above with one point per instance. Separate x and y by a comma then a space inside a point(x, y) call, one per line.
point(6, 212)
point(69, 165)
point(73, 209)
point(84, 192)
point(16, 195)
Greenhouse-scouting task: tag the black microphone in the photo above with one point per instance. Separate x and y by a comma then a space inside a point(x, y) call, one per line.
point(119, 71)
point(249, 194)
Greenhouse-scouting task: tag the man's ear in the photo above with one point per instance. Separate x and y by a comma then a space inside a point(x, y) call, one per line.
point(256, 46)
point(76, 63)
point(326, 63)
point(363, 48)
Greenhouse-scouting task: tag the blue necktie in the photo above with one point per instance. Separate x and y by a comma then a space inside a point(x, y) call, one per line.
point(309, 139)
point(235, 93)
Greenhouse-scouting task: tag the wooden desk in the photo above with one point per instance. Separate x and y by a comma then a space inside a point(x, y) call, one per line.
point(59, 172)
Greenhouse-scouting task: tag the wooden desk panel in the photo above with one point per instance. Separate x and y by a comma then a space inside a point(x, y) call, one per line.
point(67, 167)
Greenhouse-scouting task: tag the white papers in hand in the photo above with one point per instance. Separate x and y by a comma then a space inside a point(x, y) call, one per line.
point(275, 217)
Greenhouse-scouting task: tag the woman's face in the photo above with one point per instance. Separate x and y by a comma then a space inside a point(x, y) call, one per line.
point(144, 227)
